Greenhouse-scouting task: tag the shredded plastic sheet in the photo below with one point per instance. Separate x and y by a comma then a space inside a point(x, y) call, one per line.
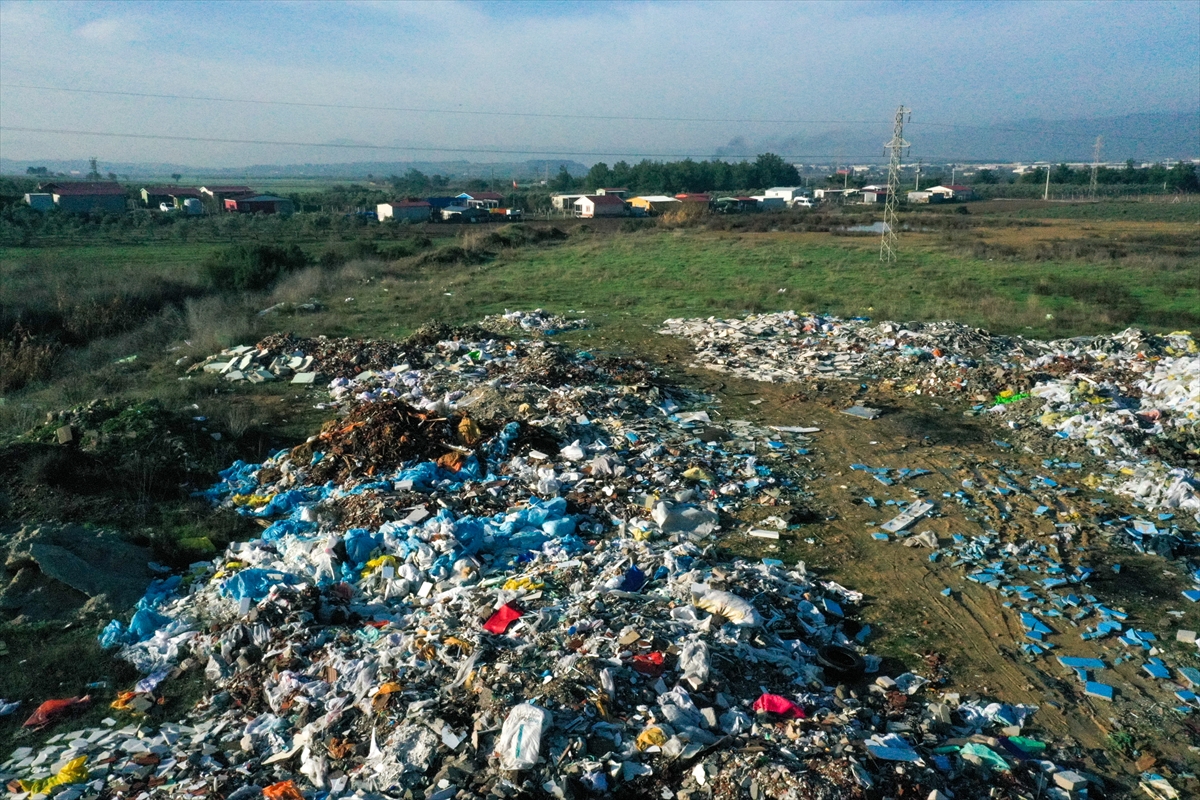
point(75, 771)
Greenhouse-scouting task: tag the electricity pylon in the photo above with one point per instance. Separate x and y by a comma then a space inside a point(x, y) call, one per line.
point(887, 247)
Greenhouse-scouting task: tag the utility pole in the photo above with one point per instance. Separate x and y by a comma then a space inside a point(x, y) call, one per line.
point(918, 186)
point(888, 244)
point(1095, 167)
point(953, 173)
point(1046, 196)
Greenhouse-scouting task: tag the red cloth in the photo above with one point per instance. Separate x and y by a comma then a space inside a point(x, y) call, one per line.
point(284, 790)
point(51, 710)
point(506, 615)
point(650, 664)
point(775, 704)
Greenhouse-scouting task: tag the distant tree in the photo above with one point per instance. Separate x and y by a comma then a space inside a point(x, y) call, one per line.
point(1036, 175)
point(599, 176)
point(37, 171)
point(563, 182)
point(112, 176)
point(175, 176)
point(94, 174)
point(986, 177)
point(1062, 174)
point(439, 181)
point(1182, 178)
point(771, 170)
point(477, 185)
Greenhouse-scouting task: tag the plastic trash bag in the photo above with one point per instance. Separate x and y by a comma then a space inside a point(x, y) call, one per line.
point(731, 607)
point(254, 583)
point(284, 790)
point(75, 771)
point(145, 624)
point(506, 615)
point(521, 736)
point(693, 662)
point(776, 704)
point(49, 711)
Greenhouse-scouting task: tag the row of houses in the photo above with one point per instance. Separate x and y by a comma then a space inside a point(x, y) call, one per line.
point(611, 202)
point(465, 207)
point(109, 197)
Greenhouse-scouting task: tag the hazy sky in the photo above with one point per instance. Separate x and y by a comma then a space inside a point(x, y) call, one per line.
point(968, 62)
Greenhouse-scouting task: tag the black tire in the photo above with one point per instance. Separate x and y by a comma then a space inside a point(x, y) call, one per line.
point(840, 663)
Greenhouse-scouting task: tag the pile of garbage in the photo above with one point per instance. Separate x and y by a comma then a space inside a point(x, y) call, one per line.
point(536, 321)
point(539, 606)
point(305, 360)
point(1131, 398)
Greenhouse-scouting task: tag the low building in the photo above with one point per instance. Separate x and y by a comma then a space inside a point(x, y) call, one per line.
point(219, 193)
point(829, 194)
point(619, 192)
point(686, 197)
point(786, 193)
point(564, 202)
point(260, 204)
point(953, 192)
point(84, 197)
point(654, 203)
point(405, 211)
point(922, 197)
point(464, 214)
point(155, 196)
point(736, 205)
point(439, 203)
point(874, 194)
point(599, 205)
point(40, 201)
point(480, 199)
point(769, 203)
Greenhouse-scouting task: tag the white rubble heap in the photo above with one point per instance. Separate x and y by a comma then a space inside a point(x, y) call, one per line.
point(1117, 393)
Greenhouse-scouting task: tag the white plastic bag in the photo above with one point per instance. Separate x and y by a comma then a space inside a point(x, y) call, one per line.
point(521, 737)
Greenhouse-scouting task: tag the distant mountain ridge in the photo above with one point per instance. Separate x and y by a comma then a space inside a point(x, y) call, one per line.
point(1141, 137)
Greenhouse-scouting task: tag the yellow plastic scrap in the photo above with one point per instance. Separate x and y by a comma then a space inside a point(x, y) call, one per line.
point(252, 500)
point(73, 772)
point(642, 534)
point(376, 563)
point(1092, 481)
point(651, 737)
point(698, 474)
point(1007, 393)
point(523, 582)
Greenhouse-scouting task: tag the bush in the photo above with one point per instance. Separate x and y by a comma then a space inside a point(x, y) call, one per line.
point(247, 267)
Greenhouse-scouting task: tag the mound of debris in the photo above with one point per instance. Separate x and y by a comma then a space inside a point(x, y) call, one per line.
point(536, 321)
point(551, 615)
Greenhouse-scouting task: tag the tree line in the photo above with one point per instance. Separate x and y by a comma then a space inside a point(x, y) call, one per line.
point(1179, 178)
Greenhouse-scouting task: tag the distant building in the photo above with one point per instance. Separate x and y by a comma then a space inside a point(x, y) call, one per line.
point(654, 203)
point(219, 193)
point(599, 205)
point(769, 203)
point(923, 197)
point(464, 214)
point(155, 196)
point(405, 211)
point(442, 202)
point(605, 192)
point(736, 205)
point(874, 194)
point(480, 199)
point(786, 193)
point(828, 194)
point(260, 204)
point(84, 197)
point(40, 201)
point(953, 192)
point(564, 202)
point(686, 197)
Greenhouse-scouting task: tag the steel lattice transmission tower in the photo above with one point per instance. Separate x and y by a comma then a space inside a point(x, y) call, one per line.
point(1095, 167)
point(887, 247)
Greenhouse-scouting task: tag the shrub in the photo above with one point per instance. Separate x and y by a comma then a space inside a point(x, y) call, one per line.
point(247, 267)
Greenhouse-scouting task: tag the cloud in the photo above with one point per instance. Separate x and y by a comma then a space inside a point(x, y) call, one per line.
point(108, 31)
point(975, 62)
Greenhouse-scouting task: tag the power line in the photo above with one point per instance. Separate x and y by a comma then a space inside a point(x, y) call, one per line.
point(544, 115)
point(401, 148)
point(415, 110)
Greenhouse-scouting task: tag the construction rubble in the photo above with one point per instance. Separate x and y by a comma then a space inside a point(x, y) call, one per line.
point(500, 572)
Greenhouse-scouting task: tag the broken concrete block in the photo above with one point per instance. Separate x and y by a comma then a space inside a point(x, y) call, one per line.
point(65, 434)
point(1069, 781)
point(305, 377)
point(1187, 637)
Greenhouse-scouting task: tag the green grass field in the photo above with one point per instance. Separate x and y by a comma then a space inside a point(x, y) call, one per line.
point(652, 275)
